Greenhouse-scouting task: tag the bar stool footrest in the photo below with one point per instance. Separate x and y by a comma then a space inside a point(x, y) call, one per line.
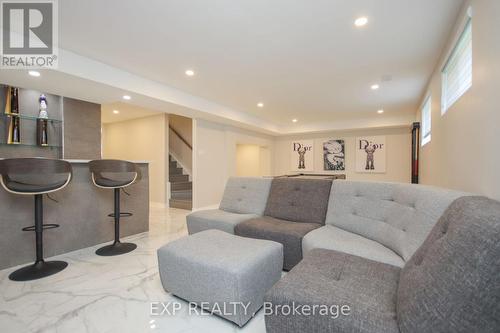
point(122, 214)
point(44, 226)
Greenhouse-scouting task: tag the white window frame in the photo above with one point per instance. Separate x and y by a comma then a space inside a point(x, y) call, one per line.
point(451, 60)
point(426, 112)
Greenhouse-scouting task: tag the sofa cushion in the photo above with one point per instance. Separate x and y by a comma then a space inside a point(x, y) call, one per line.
point(215, 219)
point(333, 278)
point(285, 232)
point(246, 195)
point(397, 215)
point(452, 283)
point(333, 238)
point(299, 200)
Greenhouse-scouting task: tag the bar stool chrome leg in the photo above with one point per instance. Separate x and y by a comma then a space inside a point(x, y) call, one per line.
point(117, 247)
point(40, 268)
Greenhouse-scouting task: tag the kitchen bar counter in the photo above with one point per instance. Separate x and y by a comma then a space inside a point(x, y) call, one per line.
point(81, 212)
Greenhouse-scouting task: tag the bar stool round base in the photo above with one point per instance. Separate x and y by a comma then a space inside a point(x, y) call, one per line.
point(116, 249)
point(38, 270)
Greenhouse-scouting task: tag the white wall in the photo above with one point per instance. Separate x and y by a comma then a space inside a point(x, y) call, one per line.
point(398, 163)
point(214, 158)
point(141, 139)
point(248, 160)
point(266, 163)
point(463, 152)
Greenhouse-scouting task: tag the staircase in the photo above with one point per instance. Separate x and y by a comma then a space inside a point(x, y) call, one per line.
point(181, 188)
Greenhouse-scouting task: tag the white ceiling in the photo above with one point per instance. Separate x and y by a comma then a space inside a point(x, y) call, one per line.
point(125, 111)
point(302, 59)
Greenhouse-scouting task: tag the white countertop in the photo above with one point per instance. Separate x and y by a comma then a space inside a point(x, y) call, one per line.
point(87, 161)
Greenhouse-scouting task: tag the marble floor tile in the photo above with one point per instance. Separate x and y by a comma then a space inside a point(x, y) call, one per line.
point(108, 294)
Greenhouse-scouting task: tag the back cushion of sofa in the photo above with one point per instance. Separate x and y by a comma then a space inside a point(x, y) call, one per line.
point(246, 195)
point(452, 282)
point(397, 215)
point(299, 200)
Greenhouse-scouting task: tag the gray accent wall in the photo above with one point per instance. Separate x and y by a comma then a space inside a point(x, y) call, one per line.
point(82, 129)
point(81, 212)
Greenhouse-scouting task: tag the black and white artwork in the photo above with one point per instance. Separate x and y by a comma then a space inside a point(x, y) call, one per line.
point(334, 155)
point(370, 154)
point(302, 157)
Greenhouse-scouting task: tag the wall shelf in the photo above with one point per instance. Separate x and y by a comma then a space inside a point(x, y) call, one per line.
point(22, 116)
point(26, 145)
point(29, 109)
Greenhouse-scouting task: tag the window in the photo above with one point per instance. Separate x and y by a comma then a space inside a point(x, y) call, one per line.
point(426, 121)
point(457, 72)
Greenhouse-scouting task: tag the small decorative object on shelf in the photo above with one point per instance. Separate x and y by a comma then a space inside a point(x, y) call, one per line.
point(41, 128)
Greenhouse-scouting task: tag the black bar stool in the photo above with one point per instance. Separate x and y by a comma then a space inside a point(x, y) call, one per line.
point(36, 176)
point(115, 174)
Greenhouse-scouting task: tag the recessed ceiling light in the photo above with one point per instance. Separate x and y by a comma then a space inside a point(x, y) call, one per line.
point(116, 111)
point(260, 105)
point(34, 73)
point(294, 120)
point(361, 21)
point(189, 72)
point(380, 111)
point(127, 97)
point(375, 86)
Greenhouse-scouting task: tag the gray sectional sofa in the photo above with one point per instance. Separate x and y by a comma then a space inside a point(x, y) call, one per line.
point(385, 222)
point(294, 208)
point(244, 198)
point(451, 284)
point(404, 258)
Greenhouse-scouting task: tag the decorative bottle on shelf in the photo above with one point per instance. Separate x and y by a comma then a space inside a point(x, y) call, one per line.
point(14, 131)
point(12, 111)
point(12, 101)
point(41, 128)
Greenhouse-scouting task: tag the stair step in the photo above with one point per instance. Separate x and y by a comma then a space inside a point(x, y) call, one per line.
point(182, 204)
point(173, 165)
point(178, 178)
point(182, 195)
point(177, 186)
point(175, 171)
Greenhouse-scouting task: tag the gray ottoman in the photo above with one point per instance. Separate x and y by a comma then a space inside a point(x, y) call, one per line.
point(217, 270)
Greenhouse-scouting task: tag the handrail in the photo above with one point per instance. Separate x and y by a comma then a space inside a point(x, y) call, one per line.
point(180, 137)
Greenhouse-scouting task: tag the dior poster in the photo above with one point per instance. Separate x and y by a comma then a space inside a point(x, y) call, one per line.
point(302, 155)
point(370, 154)
point(334, 155)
